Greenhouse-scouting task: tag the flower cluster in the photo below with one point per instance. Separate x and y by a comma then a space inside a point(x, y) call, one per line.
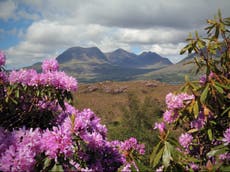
point(30, 77)
point(132, 144)
point(2, 58)
point(160, 127)
point(175, 103)
point(57, 141)
point(127, 148)
point(19, 150)
point(73, 139)
point(20, 147)
point(170, 116)
point(3, 77)
point(185, 140)
point(226, 138)
point(204, 79)
point(199, 122)
point(50, 65)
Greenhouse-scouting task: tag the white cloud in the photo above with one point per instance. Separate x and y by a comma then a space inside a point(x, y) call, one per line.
point(151, 36)
point(7, 9)
point(159, 26)
point(45, 38)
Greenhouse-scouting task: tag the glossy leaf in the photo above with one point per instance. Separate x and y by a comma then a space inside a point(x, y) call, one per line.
point(185, 49)
point(57, 167)
point(158, 157)
point(210, 134)
point(196, 109)
point(154, 152)
point(219, 89)
point(204, 94)
point(193, 130)
point(219, 151)
point(47, 163)
point(167, 154)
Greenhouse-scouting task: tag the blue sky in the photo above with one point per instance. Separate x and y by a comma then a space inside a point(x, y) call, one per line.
point(11, 28)
point(31, 31)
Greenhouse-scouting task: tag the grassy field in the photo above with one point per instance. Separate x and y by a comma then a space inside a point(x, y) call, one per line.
point(107, 98)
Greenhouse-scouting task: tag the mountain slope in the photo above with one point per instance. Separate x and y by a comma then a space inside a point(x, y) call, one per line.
point(121, 57)
point(173, 74)
point(92, 65)
point(150, 60)
point(146, 60)
point(82, 54)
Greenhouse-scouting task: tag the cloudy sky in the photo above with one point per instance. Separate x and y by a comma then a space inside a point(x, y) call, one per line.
point(33, 30)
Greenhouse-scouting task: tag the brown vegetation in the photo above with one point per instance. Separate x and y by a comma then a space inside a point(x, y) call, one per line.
point(107, 98)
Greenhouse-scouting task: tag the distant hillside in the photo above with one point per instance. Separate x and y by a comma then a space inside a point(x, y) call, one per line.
point(146, 60)
point(121, 57)
point(175, 73)
point(92, 54)
point(92, 65)
point(152, 60)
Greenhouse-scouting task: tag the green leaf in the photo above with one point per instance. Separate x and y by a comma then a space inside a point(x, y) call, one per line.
point(167, 154)
point(17, 93)
point(225, 168)
point(173, 141)
point(47, 163)
point(196, 34)
point(223, 86)
point(13, 100)
point(193, 130)
point(210, 134)
point(185, 49)
point(226, 110)
point(204, 94)
point(219, 89)
point(7, 99)
point(57, 167)
point(217, 31)
point(186, 77)
point(158, 157)
point(153, 154)
point(215, 152)
point(219, 14)
point(37, 93)
point(196, 109)
point(227, 21)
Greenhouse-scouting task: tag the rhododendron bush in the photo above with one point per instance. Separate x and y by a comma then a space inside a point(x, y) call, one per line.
point(200, 110)
point(40, 130)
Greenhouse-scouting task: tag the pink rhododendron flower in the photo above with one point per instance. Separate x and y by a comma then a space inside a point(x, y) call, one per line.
point(185, 140)
point(203, 80)
point(199, 122)
point(160, 126)
point(226, 138)
point(177, 101)
point(2, 58)
point(170, 116)
point(50, 65)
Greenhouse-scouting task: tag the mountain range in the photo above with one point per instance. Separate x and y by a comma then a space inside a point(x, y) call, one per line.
point(93, 65)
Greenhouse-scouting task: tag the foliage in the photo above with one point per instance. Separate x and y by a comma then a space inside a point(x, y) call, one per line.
point(203, 115)
point(41, 131)
point(137, 121)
